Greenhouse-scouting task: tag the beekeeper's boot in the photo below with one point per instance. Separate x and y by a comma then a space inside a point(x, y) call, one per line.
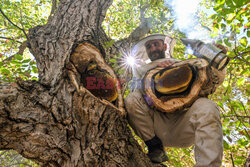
point(155, 150)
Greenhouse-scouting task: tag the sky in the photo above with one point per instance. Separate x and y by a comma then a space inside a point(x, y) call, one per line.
point(187, 21)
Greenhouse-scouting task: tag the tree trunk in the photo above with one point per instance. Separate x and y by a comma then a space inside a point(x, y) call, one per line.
point(55, 121)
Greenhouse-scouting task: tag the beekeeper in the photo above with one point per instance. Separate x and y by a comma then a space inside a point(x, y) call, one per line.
point(199, 125)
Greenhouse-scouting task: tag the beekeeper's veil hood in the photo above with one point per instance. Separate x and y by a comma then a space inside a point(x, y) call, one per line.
point(139, 50)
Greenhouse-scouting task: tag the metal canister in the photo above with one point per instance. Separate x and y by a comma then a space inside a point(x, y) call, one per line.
point(211, 53)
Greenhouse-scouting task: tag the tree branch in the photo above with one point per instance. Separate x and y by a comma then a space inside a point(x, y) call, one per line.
point(62, 127)
point(135, 36)
point(247, 163)
point(13, 23)
point(232, 159)
point(242, 53)
point(10, 39)
point(27, 125)
point(232, 109)
point(240, 116)
point(22, 47)
point(73, 22)
point(53, 9)
point(124, 46)
point(244, 107)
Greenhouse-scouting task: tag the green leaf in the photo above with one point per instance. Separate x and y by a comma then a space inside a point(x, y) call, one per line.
point(239, 3)
point(242, 142)
point(220, 104)
point(243, 41)
point(226, 145)
point(19, 57)
point(230, 3)
point(220, 1)
point(113, 60)
point(238, 162)
point(223, 26)
point(226, 41)
point(109, 43)
point(248, 34)
point(26, 61)
point(230, 17)
point(226, 120)
point(214, 16)
point(5, 71)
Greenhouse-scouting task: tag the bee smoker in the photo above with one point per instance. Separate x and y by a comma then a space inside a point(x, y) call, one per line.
point(210, 52)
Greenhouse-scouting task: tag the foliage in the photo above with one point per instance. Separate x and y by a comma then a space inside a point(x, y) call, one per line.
point(229, 25)
point(13, 159)
point(231, 21)
point(21, 16)
point(18, 68)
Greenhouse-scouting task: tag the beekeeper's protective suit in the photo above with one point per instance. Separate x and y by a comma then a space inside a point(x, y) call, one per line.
point(199, 125)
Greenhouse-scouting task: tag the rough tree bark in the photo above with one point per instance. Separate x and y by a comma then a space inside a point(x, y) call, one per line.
point(51, 121)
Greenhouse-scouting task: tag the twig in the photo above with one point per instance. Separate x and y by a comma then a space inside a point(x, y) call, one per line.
point(231, 107)
point(21, 22)
point(242, 53)
point(243, 107)
point(247, 62)
point(229, 82)
point(235, 43)
point(127, 77)
point(138, 33)
point(237, 116)
point(232, 159)
point(10, 39)
point(13, 23)
point(13, 158)
point(223, 110)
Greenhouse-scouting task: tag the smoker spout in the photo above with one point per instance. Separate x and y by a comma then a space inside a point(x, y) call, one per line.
point(190, 42)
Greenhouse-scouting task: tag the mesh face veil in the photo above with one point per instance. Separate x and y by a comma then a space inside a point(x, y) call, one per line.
point(139, 50)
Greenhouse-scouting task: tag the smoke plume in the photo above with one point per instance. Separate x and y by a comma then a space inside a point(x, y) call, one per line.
point(187, 20)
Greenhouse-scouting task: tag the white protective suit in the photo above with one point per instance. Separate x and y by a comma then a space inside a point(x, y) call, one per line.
point(199, 125)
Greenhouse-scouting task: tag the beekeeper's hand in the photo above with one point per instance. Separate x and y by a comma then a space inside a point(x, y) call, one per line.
point(166, 63)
